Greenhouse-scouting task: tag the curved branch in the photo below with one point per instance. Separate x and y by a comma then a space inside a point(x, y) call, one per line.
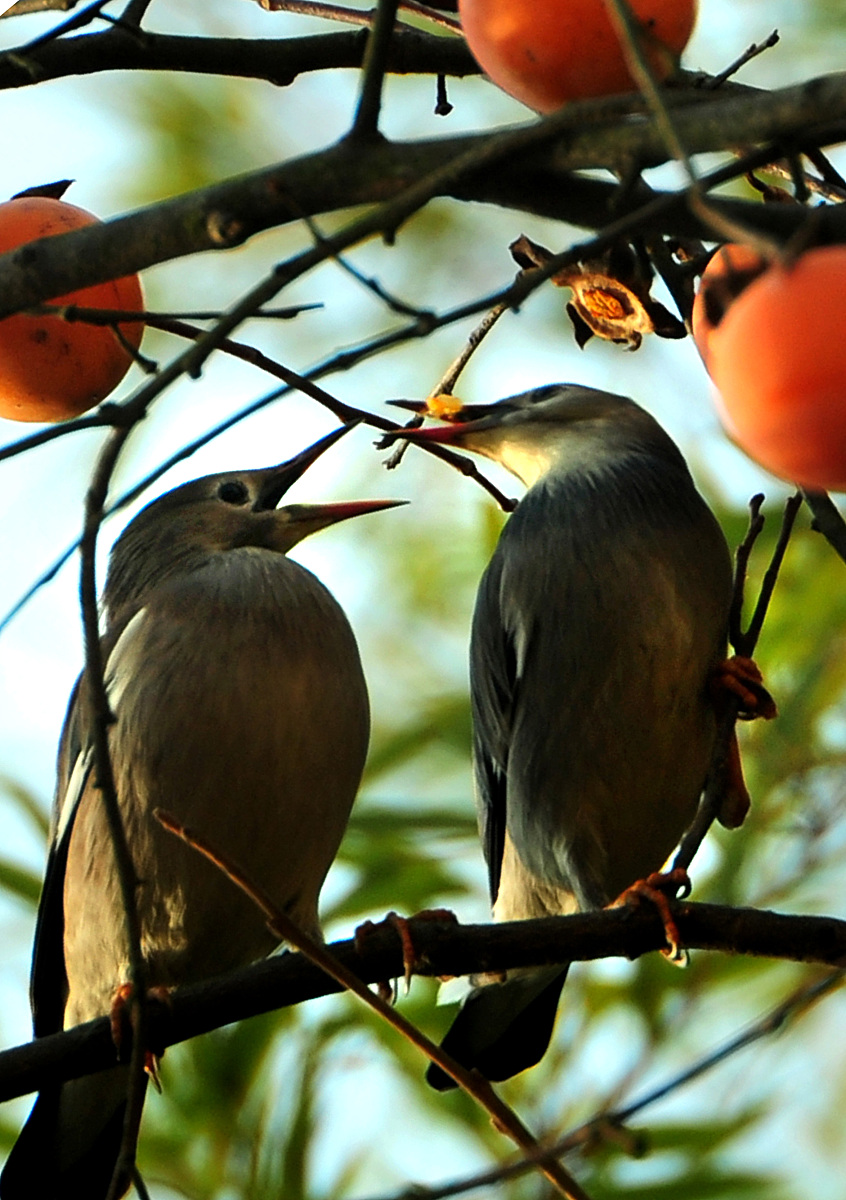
point(275, 60)
point(541, 158)
point(443, 949)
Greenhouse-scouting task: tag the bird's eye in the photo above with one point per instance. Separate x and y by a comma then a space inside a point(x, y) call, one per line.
point(233, 492)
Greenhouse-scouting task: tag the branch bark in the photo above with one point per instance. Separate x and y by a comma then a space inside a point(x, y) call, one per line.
point(443, 949)
point(541, 158)
point(275, 60)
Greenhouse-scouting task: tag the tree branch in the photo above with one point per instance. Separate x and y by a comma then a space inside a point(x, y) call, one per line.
point(275, 60)
point(541, 157)
point(443, 949)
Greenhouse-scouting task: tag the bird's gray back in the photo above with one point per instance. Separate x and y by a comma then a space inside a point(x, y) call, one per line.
point(606, 604)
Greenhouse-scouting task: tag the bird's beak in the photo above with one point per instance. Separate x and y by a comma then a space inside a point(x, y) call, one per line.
point(277, 480)
point(305, 519)
point(462, 420)
point(440, 409)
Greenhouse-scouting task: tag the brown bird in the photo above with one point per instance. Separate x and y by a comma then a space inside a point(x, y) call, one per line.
point(599, 623)
point(241, 708)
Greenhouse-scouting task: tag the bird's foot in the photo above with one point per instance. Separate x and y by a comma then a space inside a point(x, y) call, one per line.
point(741, 677)
point(736, 801)
point(410, 957)
point(658, 888)
point(122, 1022)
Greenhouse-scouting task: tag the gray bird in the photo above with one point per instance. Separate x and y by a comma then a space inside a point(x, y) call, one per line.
point(598, 623)
point(241, 708)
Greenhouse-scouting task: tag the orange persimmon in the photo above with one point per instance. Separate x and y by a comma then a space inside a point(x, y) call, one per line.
point(777, 355)
point(546, 52)
point(730, 270)
point(51, 369)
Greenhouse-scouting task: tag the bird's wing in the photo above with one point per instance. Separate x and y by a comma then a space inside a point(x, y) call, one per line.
point(48, 983)
point(493, 676)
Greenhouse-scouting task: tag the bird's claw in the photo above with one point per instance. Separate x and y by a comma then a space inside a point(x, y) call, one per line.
point(741, 677)
point(410, 957)
point(655, 889)
point(121, 1020)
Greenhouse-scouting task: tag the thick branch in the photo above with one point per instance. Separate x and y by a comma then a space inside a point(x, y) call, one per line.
point(538, 159)
point(443, 949)
point(276, 60)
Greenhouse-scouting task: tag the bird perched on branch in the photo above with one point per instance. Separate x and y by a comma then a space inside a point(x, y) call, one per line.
point(240, 707)
point(598, 624)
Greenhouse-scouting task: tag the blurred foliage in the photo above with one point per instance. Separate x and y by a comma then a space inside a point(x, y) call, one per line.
point(327, 1102)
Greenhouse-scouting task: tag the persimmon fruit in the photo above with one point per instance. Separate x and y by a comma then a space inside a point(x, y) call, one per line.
point(777, 355)
point(546, 52)
point(52, 369)
point(730, 270)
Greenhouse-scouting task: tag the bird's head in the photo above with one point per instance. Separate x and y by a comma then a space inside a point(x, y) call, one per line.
point(217, 513)
point(562, 425)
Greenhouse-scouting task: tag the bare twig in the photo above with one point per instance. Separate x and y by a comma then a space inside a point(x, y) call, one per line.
point(744, 643)
point(431, 14)
point(24, 7)
point(366, 122)
point(630, 33)
point(746, 57)
point(78, 21)
point(287, 930)
point(96, 697)
point(608, 1126)
point(748, 641)
point(135, 12)
point(355, 16)
point(827, 519)
point(741, 564)
point(320, 10)
point(448, 380)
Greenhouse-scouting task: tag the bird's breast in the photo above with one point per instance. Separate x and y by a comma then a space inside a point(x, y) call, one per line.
point(242, 710)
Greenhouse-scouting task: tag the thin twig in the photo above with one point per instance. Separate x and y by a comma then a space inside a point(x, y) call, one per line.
point(78, 21)
point(134, 14)
point(355, 16)
point(630, 33)
point(827, 519)
point(124, 316)
point(741, 565)
point(367, 281)
point(432, 14)
point(281, 925)
point(445, 385)
point(746, 57)
point(607, 1126)
point(320, 10)
point(24, 7)
point(95, 696)
point(366, 123)
point(744, 643)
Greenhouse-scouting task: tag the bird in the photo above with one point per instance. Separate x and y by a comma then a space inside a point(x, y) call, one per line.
point(598, 625)
point(240, 706)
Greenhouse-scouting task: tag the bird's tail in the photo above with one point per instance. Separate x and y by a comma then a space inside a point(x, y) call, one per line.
point(503, 1028)
point(69, 1146)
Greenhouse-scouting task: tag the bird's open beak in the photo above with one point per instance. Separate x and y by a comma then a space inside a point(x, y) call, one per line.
point(442, 409)
point(462, 420)
point(277, 480)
